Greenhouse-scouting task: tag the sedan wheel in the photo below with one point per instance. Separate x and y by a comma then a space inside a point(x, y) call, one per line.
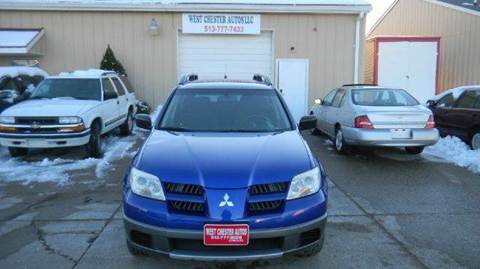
point(340, 146)
point(475, 141)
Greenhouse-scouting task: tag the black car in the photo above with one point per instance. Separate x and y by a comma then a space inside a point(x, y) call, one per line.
point(459, 117)
point(16, 84)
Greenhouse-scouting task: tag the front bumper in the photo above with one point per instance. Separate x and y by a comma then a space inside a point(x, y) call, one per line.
point(188, 244)
point(383, 137)
point(56, 140)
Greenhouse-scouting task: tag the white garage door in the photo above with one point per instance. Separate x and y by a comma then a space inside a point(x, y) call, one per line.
point(409, 65)
point(213, 56)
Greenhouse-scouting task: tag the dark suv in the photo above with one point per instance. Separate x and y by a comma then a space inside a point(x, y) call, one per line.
point(461, 117)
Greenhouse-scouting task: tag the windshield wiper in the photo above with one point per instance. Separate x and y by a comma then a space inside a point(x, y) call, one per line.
point(175, 129)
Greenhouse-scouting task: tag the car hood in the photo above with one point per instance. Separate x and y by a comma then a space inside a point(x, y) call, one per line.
point(50, 108)
point(224, 161)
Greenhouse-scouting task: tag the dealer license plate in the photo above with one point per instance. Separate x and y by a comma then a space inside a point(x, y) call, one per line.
point(225, 234)
point(401, 133)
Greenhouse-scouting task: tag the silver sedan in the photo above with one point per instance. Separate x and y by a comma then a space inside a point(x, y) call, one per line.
point(374, 116)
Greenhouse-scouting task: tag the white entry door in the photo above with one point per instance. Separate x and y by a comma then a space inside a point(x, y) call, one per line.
point(409, 65)
point(292, 82)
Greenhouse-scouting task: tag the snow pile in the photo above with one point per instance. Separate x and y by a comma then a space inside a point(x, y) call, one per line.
point(452, 149)
point(84, 73)
point(57, 170)
point(15, 71)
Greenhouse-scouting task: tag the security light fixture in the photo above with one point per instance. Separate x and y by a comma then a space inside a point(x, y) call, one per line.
point(154, 27)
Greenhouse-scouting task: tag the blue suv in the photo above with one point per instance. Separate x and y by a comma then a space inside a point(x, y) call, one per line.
point(225, 175)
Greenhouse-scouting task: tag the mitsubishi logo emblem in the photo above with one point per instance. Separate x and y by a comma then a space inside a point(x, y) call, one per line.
point(226, 201)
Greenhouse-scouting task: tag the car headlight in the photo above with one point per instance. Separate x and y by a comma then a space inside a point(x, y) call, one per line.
point(146, 185)
point(305, 184)
point(69, 120)
point(7, 120)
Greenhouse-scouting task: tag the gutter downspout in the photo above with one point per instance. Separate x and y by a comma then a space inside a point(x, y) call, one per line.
point(357, 48)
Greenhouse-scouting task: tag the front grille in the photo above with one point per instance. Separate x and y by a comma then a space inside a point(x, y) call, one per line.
point(187, 207)
point(188, 189)
point(37, 131)
point(260, 244)
point(36, 120)
point(260, 189)
point(265, 207)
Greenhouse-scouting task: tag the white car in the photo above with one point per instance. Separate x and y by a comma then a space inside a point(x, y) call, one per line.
point(68, 110)
point(375, 116)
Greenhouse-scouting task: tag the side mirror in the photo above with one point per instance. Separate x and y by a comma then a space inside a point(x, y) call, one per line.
point(143, 121)
point(431, 103)
point(318, 101)
point(307, 123)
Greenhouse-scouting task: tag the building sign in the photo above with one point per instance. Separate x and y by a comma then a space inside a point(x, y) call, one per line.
point(233, 24)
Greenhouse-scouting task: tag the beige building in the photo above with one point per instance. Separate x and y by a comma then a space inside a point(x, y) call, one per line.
point(451, 30)
point(307, 47)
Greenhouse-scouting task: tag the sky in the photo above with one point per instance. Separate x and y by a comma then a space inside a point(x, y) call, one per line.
point(379, 7)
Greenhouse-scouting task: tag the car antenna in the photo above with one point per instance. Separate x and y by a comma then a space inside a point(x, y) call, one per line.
point(225, 76)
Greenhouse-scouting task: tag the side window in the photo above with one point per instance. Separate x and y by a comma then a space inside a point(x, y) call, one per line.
point(119, 86)
point(467, 100)
point(446, 101)
point(477, 105)
point(337, 101)
point(327, 101)
point(127, 84)
point(108, 90)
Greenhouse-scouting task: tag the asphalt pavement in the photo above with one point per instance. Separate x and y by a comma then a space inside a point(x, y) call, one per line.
point(387, 209)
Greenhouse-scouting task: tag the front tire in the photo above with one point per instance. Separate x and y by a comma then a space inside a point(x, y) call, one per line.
point(94, 146)
point(414, 150)
point(475, 141)
point(127, 127)
point(17, 152)
point(339, 142)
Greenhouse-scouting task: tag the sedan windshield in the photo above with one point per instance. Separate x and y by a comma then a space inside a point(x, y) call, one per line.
point(77, 88)
point(225, 111)
point(382, 97)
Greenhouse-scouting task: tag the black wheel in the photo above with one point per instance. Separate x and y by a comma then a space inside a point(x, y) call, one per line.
point(18, 152)
point(315, 131)
point(475, 141)
point(414, 150)
point(340, 146)
point(134, 250)
point(127, 127)
point(94, 146)
point(312, 249)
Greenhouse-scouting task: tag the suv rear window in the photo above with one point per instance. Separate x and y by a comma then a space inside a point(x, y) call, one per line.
point(382, 97)
point(225, 111)
point(127, 84)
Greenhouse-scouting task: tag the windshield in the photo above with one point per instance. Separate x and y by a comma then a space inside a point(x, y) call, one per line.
point(225, 111)
point(77, 88)
point(382, 97)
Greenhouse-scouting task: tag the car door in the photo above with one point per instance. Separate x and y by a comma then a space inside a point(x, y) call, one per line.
point(131, 98)
point(323, 109)
point(122, 97)
point(110, 107)
point(334, 113)
point(440, 112)
point(461, 115)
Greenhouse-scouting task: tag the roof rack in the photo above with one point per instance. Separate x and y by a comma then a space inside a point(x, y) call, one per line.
point(187, 78)
point(262, 79)
point(361, 84)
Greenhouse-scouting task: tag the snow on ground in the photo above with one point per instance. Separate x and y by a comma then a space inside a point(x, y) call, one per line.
point(452, 149)
point(57, 169)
